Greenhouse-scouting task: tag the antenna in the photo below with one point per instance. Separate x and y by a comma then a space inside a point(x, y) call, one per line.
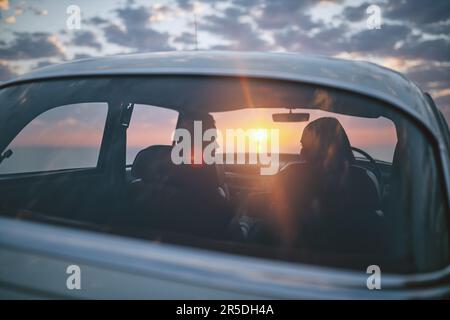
point(195, 23)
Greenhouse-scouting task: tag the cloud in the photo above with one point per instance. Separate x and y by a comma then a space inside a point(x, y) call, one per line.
point(19, 9)
point(281, 14)
point(136, 32)
point(390, 41)
point(355, 14)
point(10, 20)
point(4, 4)
point(31, 46)
point(327, 41)
point(430, 77)
point(186, 38)
point(429, 17)
point(435, 79)
point(134, 18)
point(381, 41)
point(240, 34)
point(38, 11)
point(140, 39)
point(438, 28)
point(434, 50)
point(187, 5)
point(416, 11)
point(96, 21)
point(86, 39)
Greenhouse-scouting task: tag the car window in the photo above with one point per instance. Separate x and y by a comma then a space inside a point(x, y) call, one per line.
point(327, 205)
point(149, 125)
point(65, 137)
point(376, 136)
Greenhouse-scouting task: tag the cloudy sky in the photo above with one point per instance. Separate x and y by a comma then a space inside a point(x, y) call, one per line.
point(413, 38)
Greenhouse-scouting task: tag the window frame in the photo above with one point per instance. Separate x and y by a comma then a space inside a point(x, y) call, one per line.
point(130, 125)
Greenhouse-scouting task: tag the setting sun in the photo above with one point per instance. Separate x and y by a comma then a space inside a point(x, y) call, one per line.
point(259, 135)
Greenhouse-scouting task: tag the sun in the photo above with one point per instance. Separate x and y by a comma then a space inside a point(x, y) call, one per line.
point(259, 135)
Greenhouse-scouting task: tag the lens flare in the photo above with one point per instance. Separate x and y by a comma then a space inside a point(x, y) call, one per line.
point(259, 135)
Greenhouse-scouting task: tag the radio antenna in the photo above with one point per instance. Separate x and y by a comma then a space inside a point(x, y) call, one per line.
point(195, 25)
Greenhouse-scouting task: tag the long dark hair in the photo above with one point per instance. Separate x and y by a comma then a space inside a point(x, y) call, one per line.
point(326, 149)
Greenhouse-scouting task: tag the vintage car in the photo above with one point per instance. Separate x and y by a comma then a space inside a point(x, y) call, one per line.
point(95, 202)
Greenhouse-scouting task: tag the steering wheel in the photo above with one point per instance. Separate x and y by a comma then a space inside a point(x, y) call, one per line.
point(374, 165)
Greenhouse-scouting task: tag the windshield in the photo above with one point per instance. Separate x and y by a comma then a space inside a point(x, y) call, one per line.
point(375, 136)
point(337, 179)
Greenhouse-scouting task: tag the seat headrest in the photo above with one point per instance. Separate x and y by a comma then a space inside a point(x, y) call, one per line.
point(203, 177)
point(152, 162)
point(206, 177)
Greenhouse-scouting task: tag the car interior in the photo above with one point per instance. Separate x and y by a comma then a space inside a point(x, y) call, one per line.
point(233, 204)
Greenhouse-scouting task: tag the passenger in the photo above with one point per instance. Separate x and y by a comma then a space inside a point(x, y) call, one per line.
point(326, 203)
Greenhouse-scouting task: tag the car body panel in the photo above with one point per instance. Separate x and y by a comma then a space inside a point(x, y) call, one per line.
point(152, 270)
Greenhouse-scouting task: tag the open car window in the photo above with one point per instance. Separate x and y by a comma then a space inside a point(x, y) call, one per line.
point(328, 205)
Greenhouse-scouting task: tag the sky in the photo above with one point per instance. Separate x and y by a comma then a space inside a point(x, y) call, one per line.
point(413, 35)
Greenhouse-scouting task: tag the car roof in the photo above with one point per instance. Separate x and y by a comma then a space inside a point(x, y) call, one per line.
point(357, 76)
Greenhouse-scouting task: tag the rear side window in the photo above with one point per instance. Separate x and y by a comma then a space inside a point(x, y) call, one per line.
point(149, 126)
point(65, 137)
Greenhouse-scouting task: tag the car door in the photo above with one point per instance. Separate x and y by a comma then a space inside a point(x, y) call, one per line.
point(46, 261)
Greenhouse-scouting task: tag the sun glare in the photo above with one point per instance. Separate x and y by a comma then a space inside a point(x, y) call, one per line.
point(259, 135)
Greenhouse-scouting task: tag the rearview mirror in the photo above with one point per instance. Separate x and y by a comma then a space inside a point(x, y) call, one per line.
point(290, 117)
